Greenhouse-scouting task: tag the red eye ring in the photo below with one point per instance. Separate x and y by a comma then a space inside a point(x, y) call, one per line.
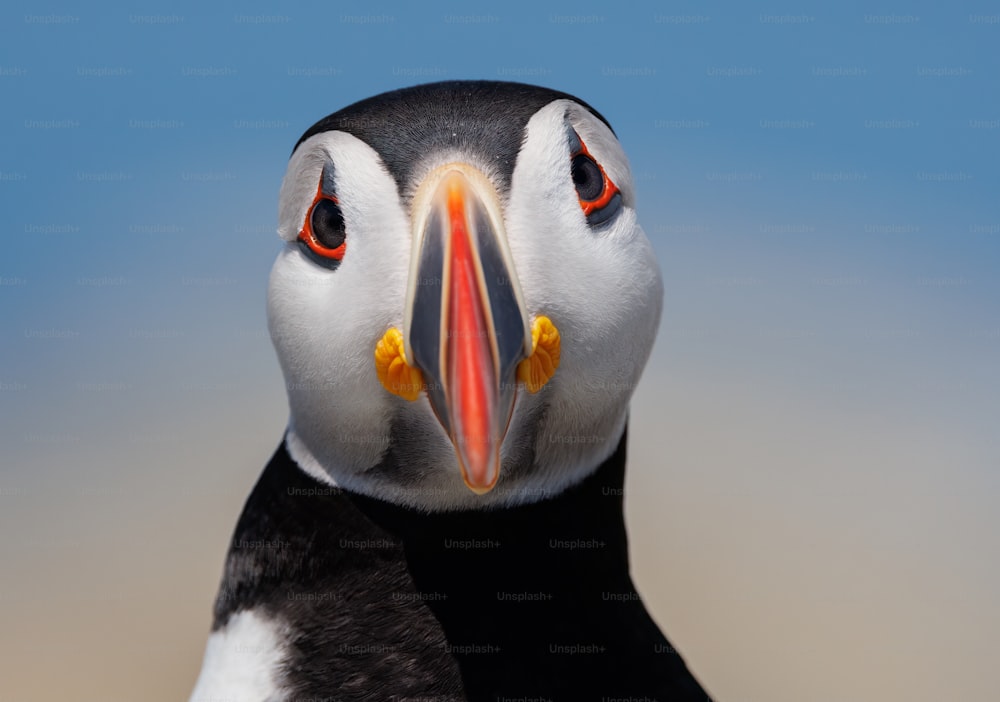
point(308, 237)
point(608, 191)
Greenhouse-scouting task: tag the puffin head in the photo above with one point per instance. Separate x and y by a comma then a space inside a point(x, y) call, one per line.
point(465, 300)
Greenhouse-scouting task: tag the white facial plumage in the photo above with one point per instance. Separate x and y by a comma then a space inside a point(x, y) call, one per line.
point(600, 285)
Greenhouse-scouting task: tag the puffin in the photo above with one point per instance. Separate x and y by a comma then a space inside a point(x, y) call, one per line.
point(462, 307)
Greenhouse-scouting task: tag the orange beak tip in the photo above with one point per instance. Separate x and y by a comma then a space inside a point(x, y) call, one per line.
point(479, 490)
point(479, 480)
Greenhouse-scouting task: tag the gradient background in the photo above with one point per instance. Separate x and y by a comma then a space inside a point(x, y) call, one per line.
point(814, 447)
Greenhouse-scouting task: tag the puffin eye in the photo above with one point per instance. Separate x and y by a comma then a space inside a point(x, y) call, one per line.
point(328, 223)
point(587, 178)
point(599, 197)
point(324, 237)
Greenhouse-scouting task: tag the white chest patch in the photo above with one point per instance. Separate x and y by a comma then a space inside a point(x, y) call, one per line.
point(242, 662)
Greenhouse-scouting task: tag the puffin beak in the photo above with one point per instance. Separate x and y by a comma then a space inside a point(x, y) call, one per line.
point(465, 326)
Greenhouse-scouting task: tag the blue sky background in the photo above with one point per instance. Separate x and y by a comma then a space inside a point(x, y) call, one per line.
point(815, 458)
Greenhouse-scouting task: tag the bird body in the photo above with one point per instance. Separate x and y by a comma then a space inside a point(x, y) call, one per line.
point(462, 310)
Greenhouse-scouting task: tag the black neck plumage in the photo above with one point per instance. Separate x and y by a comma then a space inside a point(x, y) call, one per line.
point(534, 601)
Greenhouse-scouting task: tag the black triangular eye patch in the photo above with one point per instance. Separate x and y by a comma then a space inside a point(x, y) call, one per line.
point(327, 183)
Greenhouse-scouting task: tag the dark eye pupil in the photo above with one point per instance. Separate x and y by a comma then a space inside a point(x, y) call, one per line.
point(328, 224)
point(587, 178)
